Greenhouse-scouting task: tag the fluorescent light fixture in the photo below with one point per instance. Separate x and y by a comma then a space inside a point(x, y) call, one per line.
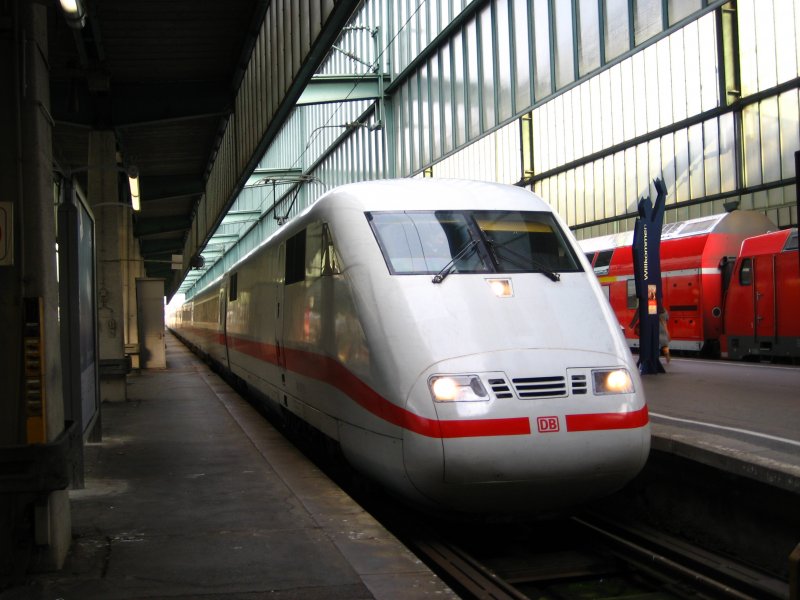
point(133, 182)
point(74, 12)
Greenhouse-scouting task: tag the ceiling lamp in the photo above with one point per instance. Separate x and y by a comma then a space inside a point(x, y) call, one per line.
point(133, 182)
point(74, 12)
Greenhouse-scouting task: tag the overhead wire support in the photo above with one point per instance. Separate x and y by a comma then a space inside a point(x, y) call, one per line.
point(371, 66)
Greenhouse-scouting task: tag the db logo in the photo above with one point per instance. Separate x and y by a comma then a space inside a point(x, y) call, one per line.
point(547, 424)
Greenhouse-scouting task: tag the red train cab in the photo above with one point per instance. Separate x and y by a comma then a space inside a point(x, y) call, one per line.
point(762, 307)
point(696, 256)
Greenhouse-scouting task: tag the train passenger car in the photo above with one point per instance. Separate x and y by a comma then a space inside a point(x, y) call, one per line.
point(761, 307)
point(696, 257)
point(201, 324)
point(451, 338)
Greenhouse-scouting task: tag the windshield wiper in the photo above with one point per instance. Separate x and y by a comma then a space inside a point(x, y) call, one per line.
point(523, 262)
point(448, 268)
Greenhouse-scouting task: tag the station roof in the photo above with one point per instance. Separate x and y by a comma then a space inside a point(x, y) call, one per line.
point(163, 75)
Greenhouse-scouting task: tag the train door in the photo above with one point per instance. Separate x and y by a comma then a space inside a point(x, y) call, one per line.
point(764, 296)
point(741, 305)
point(291, 311)
point(223, 326)
point(280, 289)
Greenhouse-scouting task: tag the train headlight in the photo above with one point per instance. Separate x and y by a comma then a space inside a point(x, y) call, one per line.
point(457, 388)
point(501, 287)
point(612, 381)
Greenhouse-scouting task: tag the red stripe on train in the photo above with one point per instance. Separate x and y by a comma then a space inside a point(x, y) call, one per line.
point(330, 371)
point(604, 421)
point(334, 373)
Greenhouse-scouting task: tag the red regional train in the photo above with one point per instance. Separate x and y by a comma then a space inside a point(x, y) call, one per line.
point(729, 285)
point(761, 305)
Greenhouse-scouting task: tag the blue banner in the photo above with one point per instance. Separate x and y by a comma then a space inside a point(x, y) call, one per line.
point(647, 274)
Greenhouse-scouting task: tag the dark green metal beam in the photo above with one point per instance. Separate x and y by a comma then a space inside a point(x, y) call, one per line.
point(337, 88)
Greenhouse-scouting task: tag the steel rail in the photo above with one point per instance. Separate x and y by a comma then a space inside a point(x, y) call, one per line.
point(459, 570)
point(658, 553)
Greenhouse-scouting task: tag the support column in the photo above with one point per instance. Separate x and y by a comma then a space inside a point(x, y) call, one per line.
point(12, 425)
point(109, 212)
point(134, 269)
point(35, 522)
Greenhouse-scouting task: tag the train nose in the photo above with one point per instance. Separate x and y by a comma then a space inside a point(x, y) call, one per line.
point(568, 426)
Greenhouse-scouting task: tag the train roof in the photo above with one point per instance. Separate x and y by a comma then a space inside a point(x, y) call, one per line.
point(436, 194)
point(773, 242)
point(738, 222)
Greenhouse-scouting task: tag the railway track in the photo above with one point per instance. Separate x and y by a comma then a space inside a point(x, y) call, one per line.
point(578, 557)
point(703, 570)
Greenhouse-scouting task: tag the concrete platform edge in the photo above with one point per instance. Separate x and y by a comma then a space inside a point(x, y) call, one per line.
point(724, 454)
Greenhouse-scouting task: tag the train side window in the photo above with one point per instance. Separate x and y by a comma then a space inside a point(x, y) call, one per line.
point(296, 258)
point(330, 264)
point(726, 266)
point(602, 262)
point(791, 242)
point(633, 301)
point(746, 272)
point(232, 287)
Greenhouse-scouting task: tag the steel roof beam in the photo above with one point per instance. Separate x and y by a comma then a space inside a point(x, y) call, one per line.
point(267, 176)
point(241, 216)
point(338, 88)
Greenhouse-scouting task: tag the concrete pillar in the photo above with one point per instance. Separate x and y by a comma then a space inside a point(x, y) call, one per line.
point(28, 278)
point(134, 269)
point(110, 222)
point(12, 425)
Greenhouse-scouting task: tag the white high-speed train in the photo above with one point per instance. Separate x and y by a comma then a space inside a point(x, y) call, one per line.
point(449, 335)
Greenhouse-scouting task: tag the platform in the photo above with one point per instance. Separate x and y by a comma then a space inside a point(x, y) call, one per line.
point(743, 418)
point(192, 493)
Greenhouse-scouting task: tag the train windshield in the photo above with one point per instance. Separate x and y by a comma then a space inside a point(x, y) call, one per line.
point(433, 242)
